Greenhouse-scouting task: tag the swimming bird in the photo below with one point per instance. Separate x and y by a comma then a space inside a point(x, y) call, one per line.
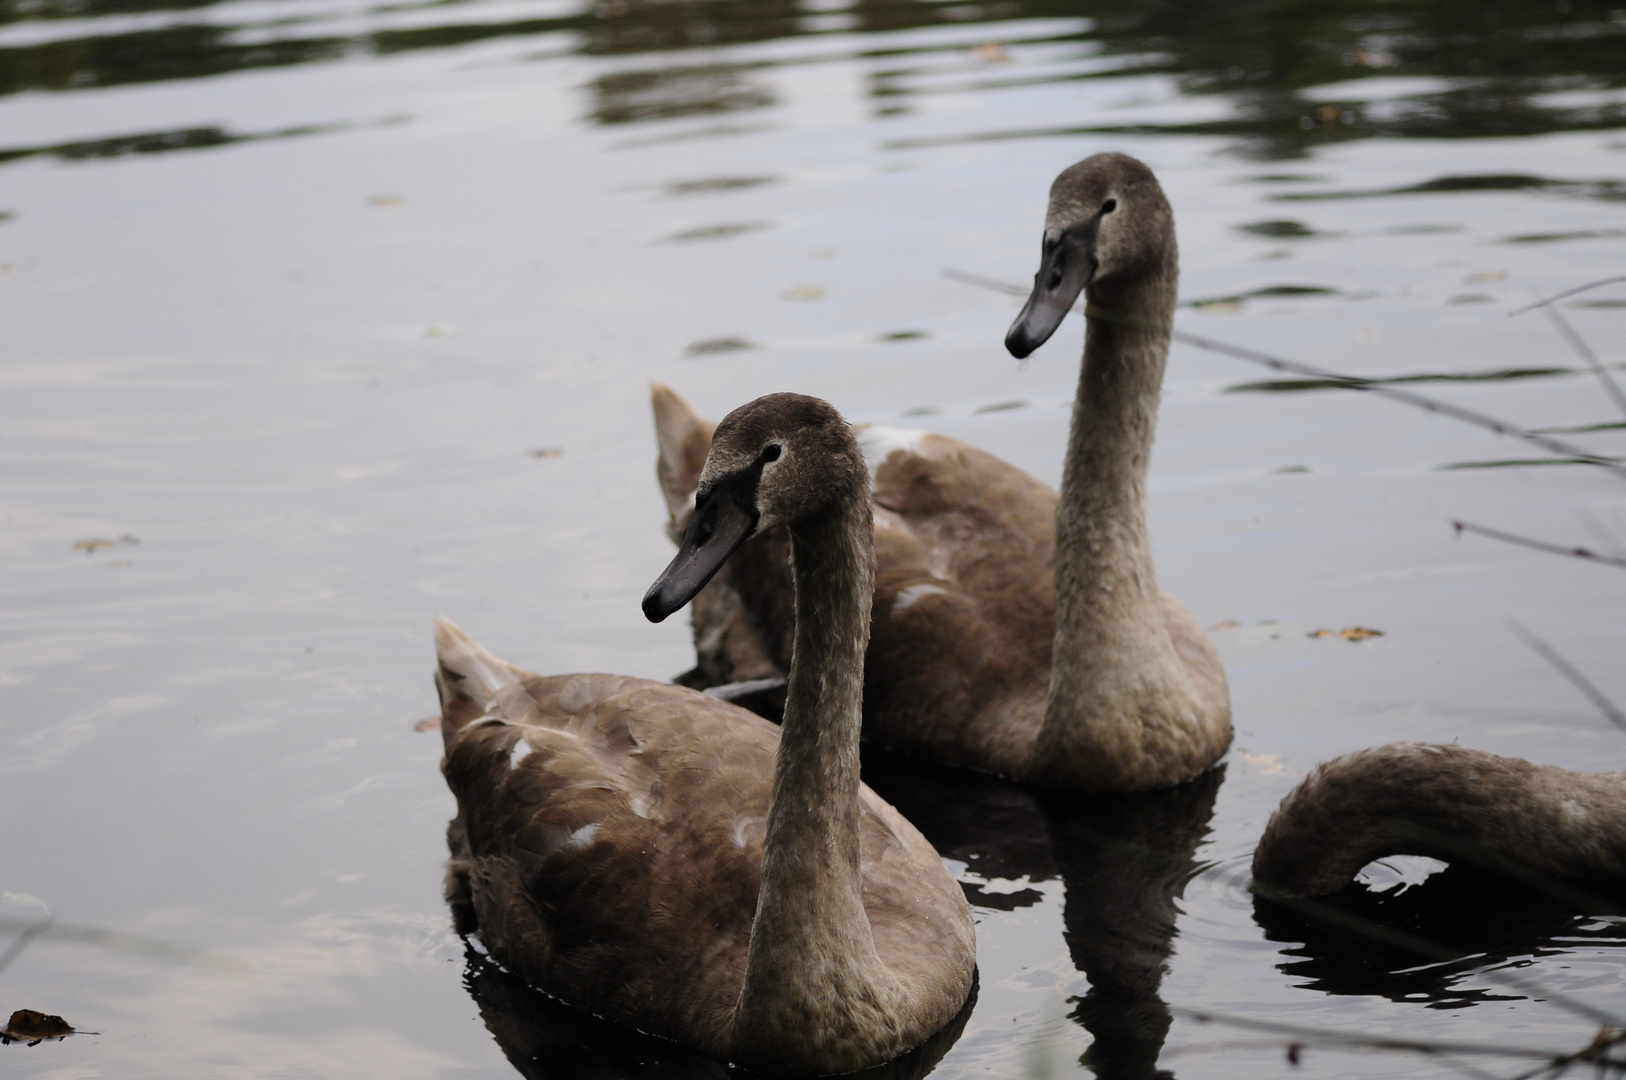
point(672, 862)
point(1014, 631)
point(1445, 802)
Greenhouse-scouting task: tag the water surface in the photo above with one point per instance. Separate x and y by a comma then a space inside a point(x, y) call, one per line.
point(330, 315)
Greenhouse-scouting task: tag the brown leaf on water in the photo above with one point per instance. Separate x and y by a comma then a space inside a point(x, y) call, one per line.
point(34, 1027)
point(1269, 764)
point(1224, 624)
point(91, 546)
point(1352, 633)
point(546, 451)
point(428, 723)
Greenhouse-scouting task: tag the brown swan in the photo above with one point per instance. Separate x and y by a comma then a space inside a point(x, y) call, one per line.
point(1013, 631)
point(1446, 802)
point(672, 862)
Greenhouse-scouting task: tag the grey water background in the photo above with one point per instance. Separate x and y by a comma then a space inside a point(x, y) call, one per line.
point(332, 315)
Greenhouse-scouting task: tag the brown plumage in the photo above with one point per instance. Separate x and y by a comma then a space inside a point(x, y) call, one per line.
point(675, 863)
point(985, 576)
point(1446, 802)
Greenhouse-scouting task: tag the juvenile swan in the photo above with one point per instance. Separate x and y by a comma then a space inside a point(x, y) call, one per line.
point(1013, 632)
point(675, 863)
point(1446, 802)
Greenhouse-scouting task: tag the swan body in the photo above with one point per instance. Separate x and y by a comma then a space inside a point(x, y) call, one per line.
point(1014, 630)
point(670, 861)
point(1446, 802)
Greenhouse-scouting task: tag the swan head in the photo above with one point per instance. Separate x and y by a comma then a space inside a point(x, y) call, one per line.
point(1108, 222)
point(782, 459)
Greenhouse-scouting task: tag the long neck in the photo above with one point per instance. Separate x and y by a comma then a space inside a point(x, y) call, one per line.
point(812, 957)
point(1448, 802)
point(1101, 521)
point(1114, 667)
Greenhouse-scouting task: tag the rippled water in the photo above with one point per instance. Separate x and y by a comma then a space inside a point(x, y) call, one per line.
point(329, 315)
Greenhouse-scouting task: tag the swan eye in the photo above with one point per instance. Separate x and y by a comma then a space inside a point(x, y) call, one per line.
point(1109, 206)
point(772, 452)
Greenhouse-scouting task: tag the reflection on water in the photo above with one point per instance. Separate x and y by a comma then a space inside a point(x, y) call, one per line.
point(545, 1039)
point(155, 142)
point(1488, 921)
point(1318, 74)
point(1123, 861)
point(236, 238)
point(631, 96)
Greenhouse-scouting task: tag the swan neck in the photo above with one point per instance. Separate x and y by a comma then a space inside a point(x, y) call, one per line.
point(1109, 449)
point(1119, 694)
point(811, 953)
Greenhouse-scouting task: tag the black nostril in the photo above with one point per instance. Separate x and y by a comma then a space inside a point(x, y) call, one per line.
point(1109, 206)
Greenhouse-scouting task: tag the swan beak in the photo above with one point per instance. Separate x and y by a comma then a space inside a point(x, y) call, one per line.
point(1067, 268)
point(719, 527)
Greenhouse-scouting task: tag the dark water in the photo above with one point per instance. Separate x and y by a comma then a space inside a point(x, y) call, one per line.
point(328, 316)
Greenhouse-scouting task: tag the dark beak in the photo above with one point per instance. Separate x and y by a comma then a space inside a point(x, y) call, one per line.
point(1067, 268)
point(719, 527)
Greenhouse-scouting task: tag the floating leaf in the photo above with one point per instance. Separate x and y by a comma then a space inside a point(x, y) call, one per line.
point(718, 345)
point(1269, 764)
point(34, 1027)
point(385, 201)
point(1352, 633)
point(546, 451)
point(1226, 624)
point(804, 292)
point(95, 544)
point(428, 723)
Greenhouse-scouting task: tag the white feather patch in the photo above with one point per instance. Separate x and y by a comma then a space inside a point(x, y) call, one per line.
point(905, 599)
point(582, 836)
point(879, 443)
point(522, 750)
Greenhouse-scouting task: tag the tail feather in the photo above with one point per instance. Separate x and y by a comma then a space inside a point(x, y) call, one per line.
point(683, 439)
point(467, 677)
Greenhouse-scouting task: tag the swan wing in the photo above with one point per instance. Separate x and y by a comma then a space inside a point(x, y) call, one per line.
point(608, 847)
